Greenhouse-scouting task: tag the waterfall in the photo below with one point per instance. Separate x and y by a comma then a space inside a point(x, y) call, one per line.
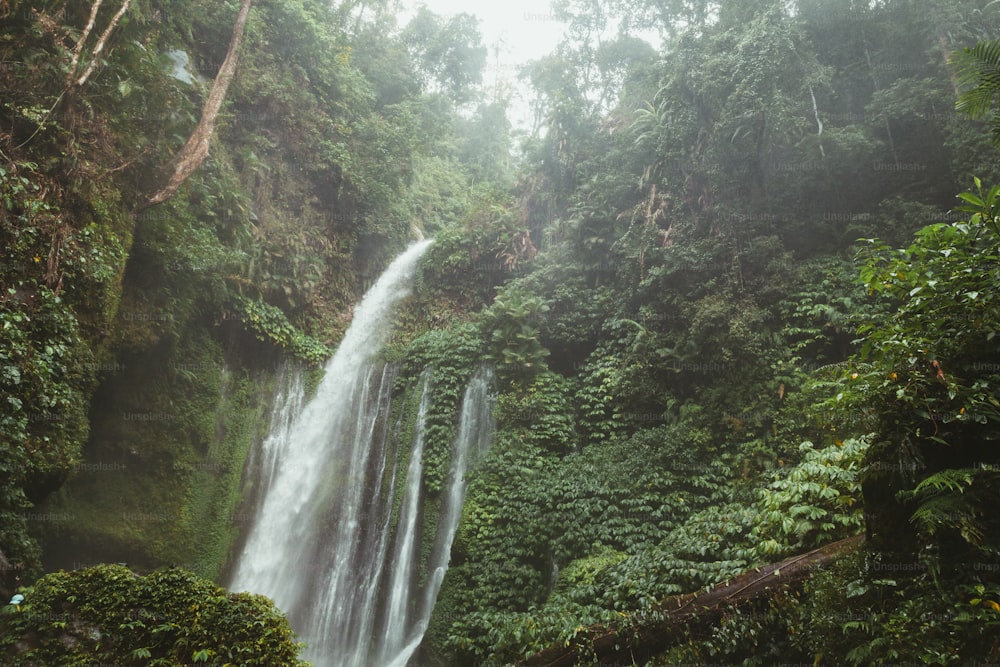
point(287, 406)
point(324, 542)
point(475, 433)
point(397, 608)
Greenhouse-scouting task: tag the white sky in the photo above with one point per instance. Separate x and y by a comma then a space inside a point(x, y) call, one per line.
point(524, 30)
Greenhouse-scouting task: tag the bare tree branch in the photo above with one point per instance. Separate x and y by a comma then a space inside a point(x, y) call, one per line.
point(78, 49)
point(99, 47)
point(74, 62)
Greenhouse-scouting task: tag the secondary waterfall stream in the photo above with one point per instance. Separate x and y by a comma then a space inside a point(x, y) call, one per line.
point(324, 542)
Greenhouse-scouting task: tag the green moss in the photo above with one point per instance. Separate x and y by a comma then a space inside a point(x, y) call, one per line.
point(240, 420)
point(160, 478)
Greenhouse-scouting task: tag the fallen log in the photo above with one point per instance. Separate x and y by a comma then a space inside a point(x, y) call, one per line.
point(641, 636)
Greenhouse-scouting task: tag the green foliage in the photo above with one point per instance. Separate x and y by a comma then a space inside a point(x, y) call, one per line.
point(492, 638)
point(655, 366)
point(748, 635)
point(58, 298)
point(867, 609)
point(43, 377)
point(311, 186)
point(930, 370)
point(180, 269)
point(941, 286)
point(451, 352)
point(703, 309)
point(511, 325)
point(270, 324)
point(820, 319)
point(485, 144)
point(108, 614)
point(954, 499)
point(46, 368)
point(694, 269)
point(539, 414)
point(817, 501)
point(504, 544)
point(978, 71)
point(471, 258)
point(448, 53)
point(655, 573)
point(617, 525)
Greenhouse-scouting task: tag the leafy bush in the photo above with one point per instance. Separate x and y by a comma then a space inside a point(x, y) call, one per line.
point(862, 612)
point(817, 501)
point(269, 324)
point(107, 614)
point(44, 379)
point(539, 412)
point(929, 375)
point(511, 325)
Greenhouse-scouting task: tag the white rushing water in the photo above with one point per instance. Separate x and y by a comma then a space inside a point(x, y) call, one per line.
point(475, 433)
point(324, 543)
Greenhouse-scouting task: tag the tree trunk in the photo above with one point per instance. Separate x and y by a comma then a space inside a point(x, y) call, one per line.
point(646, 634)
point(196, 149)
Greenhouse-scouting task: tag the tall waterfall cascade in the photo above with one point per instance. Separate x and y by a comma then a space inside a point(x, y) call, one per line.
point(328, 542)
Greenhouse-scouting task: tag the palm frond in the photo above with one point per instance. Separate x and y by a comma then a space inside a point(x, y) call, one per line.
point(978, 72)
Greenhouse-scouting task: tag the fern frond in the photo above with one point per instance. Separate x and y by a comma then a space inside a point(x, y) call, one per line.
point(943, 504)
point(955, 480)
point(949, 512)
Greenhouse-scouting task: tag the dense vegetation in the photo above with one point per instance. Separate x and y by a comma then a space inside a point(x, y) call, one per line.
point(735, 308)
point(140, 346)
point(168, 617)
point(693, 378)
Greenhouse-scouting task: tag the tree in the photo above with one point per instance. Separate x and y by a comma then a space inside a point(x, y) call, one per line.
point(71, 77)
point(485, 144)
point(928, 378)
point(449, 54)
point(667, 17)
point(196, 149)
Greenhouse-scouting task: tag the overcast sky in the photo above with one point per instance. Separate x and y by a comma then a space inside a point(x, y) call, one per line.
point(522, 29)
